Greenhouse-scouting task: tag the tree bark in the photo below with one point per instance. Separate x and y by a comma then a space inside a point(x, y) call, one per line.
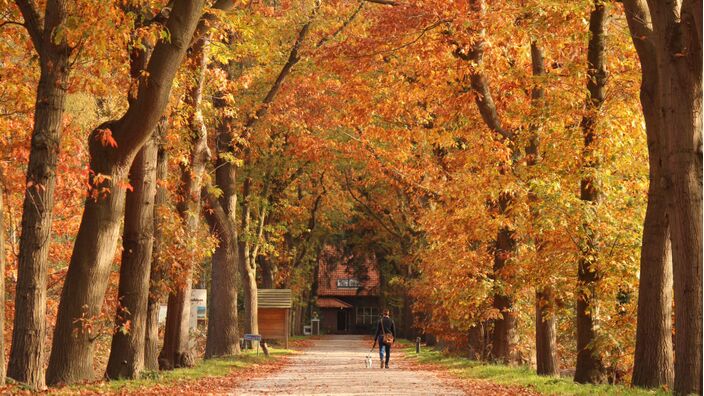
point(590, 367)
point(126, 359)
point(268, 272)
point(223, 332)
point(71, 358)
point(249, 242)
point(476, 339)
point(127, 349)
point(156, 273)
point(653, 361)
point(545, 334)
point(223, 329)
point(2, 285)
point(177, 350)
point(678, 32)
point(504, 334)
point(29, 331)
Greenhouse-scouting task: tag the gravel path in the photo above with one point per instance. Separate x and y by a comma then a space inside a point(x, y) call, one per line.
point(334, 365)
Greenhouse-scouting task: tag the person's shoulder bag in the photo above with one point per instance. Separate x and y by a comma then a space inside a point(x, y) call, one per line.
point(388, 338)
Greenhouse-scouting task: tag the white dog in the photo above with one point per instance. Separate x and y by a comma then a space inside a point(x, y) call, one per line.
point(368, 362)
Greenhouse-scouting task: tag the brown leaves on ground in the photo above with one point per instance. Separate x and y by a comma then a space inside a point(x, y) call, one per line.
point(219, 385)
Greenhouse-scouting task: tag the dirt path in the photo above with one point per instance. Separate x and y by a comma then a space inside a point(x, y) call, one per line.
point(334, 365)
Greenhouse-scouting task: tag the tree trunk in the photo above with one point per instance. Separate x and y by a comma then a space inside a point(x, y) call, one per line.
point(590, 367)
point(504, 334)
point(653, 361)
point(476, 340)
point(545, 334)
point(249, 241)
point(223, 329)
point(71, 358)
point(156, 274)
point(127, 350)
point(678, 29)
point(29, 331)
point(268, 272)
point(249, 285)
point(2, 286)
point(177, 350)
point(407, 324)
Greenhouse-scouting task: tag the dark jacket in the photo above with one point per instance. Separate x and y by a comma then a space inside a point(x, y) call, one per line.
point(388, 327)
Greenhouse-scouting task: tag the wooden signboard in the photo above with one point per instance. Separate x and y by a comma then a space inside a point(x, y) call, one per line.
point(274, 307)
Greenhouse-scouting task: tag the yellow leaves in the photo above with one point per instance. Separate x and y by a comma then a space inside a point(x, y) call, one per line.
point(230, 158)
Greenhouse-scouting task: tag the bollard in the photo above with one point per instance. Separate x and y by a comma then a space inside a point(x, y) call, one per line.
point(417, 344)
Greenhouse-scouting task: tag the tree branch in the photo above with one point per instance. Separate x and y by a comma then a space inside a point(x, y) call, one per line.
point(384, 2)
point(484, 100)
point(216, 217)
point(12, 23)
point(293, 58)
point(342, 27)
point(369, 210)
point(393, 173)
point(32, 22)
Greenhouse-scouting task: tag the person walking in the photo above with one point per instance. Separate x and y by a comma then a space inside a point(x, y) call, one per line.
point(385, 336)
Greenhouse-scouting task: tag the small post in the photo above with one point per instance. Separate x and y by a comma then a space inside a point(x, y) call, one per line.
point(417, 344)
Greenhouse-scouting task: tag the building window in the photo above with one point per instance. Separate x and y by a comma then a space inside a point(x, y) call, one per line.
point(350, 283)
point(367, 315)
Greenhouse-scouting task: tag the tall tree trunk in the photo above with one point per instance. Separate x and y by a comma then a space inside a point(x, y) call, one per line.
point(590, 367)
point(2, 285)
point(126, 358)
point(156, 273)
point(177, 350)
point(71, 358)
point(29, 330)
point(248, 242)
point(127, 349)
point(678, 29)
point(504, 334)
point(545, 334)
point(223, 330)
point(653, 361)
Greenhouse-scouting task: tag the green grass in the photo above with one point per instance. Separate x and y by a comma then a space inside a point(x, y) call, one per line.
point(219, 367)
point(521, 376)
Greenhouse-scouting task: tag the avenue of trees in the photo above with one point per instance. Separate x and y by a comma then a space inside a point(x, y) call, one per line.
point(528, 174)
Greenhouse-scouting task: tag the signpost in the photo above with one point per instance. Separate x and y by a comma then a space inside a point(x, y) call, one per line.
point(253, 337)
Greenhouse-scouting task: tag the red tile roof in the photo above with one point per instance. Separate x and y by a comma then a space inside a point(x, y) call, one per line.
point(331, 302)
point(332, 266)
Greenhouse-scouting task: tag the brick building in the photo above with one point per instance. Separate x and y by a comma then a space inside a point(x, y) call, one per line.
point(348, 292)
